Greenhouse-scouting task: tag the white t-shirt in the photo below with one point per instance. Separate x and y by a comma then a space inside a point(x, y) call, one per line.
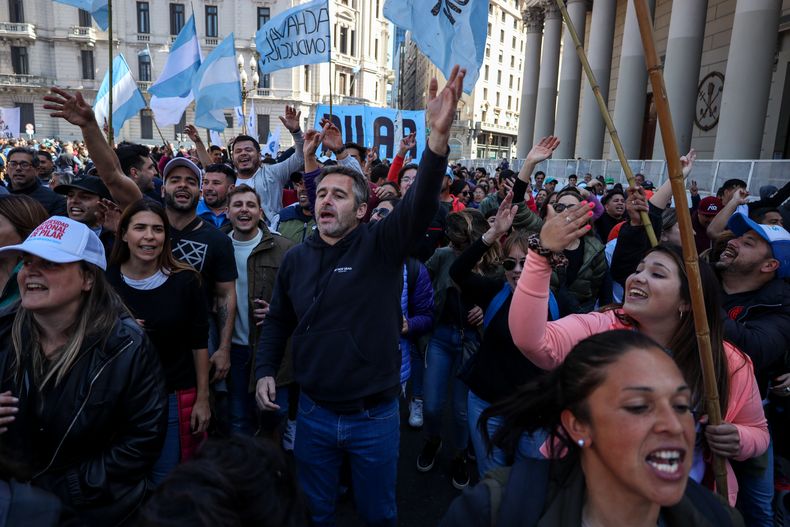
point(146, 284)
point(242, 251)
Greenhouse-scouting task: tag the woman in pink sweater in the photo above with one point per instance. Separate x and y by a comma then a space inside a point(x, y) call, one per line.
point(657, 303)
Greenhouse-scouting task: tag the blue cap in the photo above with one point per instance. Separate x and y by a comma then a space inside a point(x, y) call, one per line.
point(776, 236)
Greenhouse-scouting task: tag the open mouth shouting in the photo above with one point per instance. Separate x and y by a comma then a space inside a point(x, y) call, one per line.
point(667, 463)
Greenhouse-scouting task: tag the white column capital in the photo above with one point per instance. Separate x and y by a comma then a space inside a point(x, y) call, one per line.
point(550, 10)
point(533, 19)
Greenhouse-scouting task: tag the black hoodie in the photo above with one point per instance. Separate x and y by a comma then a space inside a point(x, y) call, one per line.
point(342, 303)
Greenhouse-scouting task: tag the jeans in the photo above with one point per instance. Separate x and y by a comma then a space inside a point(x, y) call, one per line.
point(528, 445)
point(369, 439)
point(242, 402)
point(756, 494)
point(443, 359)
point(171, 450)
point(417, 371)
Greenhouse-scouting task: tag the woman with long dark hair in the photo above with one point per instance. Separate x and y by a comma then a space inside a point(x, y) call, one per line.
point(165, 297)
point(657, 303)
point(19, 215)
point(622, 442)
point(81, 390)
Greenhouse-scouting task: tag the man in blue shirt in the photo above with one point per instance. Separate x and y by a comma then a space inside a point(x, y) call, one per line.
point(213, 207)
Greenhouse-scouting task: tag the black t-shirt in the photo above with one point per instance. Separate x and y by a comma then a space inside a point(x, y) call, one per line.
point(208, 250)
point(175, 320)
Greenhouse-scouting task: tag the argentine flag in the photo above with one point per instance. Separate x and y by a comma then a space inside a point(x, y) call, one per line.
point(216, 86)
point(97, 9)
point(127, 100)
point(172, 91)
point(447, 32)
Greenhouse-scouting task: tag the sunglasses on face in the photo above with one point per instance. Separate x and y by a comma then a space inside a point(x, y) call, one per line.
point(465, 193)
point(510, 263)
point(381, 211)
point(559, 207)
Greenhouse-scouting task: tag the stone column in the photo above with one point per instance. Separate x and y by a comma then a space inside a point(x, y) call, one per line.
point(549, 68)
point(747, 80)
point(570, 83)
point(591, 131)
point(631, 95)
point(681, 70)
point(533, 22)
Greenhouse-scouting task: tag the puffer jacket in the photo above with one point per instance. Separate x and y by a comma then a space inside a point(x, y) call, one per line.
point(417, 308)
point(96, 439)
point(592, 273)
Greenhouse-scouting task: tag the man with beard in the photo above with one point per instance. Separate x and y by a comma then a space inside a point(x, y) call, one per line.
point(217, 181)
point(209, 251)
point(136, 163)
point(45, 166)
point(614, 207)
point(345, 340)
point(22, 172)
point(296, 222)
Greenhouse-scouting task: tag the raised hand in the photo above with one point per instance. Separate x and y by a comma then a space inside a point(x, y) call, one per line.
point(72, 108)
point(560, 229)
point(543, 149)
point(441, 108)
point(292, 119)
point(504, 217)
point(333, 140)
point(693, 188)
point(192, 133)
point(687, 162)
point(312, 138)
point(110, 214)
point(635, 203)
point(406, 144)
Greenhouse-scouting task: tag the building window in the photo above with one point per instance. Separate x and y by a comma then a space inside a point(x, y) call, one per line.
point(488, 51)
point(178, 129)
point(16, 11)
point(88, 72)
point(502, 36)
point(27, 115)
point(500, 57)
point(512, 61)
point(489, 29)
point(229, 120)
point(19, 60)
point(307, 78)
point(264, 14)
point(486, 72)
point(509, 101)
point(84, 18)
point(266, 81)
point(513, 45)
point(485, 93)
point(343, 39)
point(510, 85)
point(177, 19)
point(212, 24)
point(143, 17)
point(499, 77)
point(342, 83)
point(376, 49)
point(504, 16)
point(353, 43)
point(146, 125)
point(497, 99)
point(144, 67)
point(515, 23)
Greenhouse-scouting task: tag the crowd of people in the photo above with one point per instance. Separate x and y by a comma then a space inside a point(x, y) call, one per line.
point(202, 336)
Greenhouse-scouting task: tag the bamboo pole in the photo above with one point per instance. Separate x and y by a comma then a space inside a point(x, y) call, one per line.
point(654, 68)
point(618, 146)
point(110, 137)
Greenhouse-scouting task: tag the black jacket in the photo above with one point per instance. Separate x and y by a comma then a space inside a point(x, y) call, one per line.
point(758, 322)
point(342, 303)
point(99, 432)
point(53, 202)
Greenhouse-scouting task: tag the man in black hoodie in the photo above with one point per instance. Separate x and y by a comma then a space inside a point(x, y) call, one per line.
point(345, 339)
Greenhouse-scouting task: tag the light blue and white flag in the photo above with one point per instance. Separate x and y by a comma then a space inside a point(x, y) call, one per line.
point(449, 32)
point(295, 37)
point(97, 9)
point(127, 101)
point(172, 91)
point(252, 121)
point(272, 146)
point(216, 137)
point(216, 86)
point(240, 119)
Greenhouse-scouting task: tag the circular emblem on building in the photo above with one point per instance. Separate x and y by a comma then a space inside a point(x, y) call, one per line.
point(709, 93)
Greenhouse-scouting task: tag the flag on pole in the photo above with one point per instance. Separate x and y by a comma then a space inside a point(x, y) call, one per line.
point(97, 9)
point(216, 86)
point(239, 116)
point(297, 36)
point(273, 143)
point(172, 91)
point(252, 121)
point(448, 32)
point(127, 100)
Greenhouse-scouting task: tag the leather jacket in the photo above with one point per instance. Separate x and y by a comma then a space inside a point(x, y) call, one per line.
point(92, 439)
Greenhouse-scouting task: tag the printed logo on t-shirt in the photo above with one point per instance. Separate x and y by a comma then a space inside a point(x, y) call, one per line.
point(191, 252)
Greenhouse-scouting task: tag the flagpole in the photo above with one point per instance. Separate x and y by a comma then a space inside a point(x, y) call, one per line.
point(110, 138)
point(158, 130)
point(618, 146)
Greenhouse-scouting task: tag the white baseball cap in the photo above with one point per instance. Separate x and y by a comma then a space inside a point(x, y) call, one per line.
point(63, 240)
point(182, 162)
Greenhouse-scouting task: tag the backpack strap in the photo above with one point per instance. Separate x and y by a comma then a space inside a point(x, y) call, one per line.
point(495, 304)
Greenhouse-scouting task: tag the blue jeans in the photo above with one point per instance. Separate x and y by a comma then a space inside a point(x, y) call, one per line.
point(417, 371)
point(171, 451)
point(442, 361)
point(369, 439)
point(756, 494)
point(528, 445)
point(242, 402)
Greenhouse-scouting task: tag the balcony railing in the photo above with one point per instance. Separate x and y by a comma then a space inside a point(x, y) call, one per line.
point(15, 79)
point(17, 30)
point(144, 85)
point(211, 41)
point(143, 37)
point(82, 34)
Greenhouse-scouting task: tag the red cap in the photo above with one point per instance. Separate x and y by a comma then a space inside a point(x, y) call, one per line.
point(709, 206)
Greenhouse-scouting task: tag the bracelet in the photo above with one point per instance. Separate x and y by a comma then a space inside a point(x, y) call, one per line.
point(556, 260)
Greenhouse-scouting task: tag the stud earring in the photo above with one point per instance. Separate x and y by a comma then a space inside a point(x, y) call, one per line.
point(580, 442)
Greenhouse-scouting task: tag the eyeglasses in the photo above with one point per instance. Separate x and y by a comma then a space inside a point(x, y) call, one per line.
point(510, 263)
point(559, 207)
point(24, 165)
point(381, 211)
point(465, 193)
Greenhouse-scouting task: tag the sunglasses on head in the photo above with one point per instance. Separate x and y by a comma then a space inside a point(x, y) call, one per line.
point(559, 207)
point(510, 263)
point(381, 211)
